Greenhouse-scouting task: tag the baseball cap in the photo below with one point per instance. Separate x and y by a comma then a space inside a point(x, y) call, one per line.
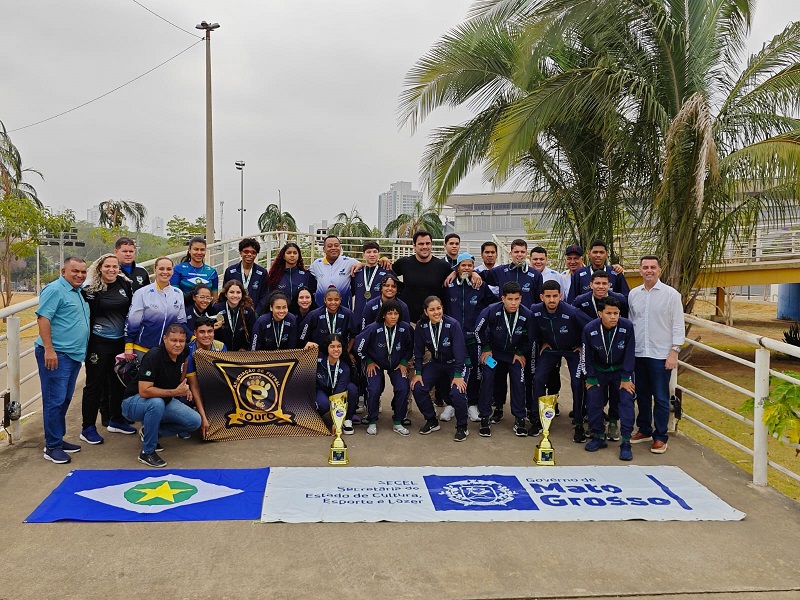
point(573, 249)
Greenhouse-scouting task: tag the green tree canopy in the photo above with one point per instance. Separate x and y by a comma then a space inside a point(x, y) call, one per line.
point(405, 225)
point(273, 219)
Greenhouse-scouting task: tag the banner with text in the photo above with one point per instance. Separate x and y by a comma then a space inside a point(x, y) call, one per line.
point(424, 494)
point(259, 394)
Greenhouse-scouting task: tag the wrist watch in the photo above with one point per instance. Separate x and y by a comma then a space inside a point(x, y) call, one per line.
point(677, 349)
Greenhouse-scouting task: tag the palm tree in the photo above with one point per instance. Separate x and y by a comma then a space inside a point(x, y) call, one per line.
point(405, 225)
point(273, 219)
point(12, 173)
point(350, 225)
point(114, 214)
point(642, 100)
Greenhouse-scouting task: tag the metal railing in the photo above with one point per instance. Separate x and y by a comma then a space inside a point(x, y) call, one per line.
point(220, 254)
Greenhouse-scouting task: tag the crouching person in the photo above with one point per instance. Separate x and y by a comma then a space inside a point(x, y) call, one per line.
point(333, 377)
point(161, 378)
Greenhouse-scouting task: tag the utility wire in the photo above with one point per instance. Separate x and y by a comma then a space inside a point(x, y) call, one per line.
point(167, 21)
point(107, 93)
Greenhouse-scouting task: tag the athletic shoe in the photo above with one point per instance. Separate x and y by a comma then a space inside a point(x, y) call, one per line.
point(558, 410)
point(184, 436)
point(639, 437)
point(535, 429)
point(347, 427)
point(104, 421)
point(372, 429)
point(430, 426)
point(448, 413)
point(438, 402)
point(356, 420)
point(118, 427)
point(406, 422)
point(625, 452)
point(152, 460)
point(613, 431)
point(473, 414)
point(519, 428)
point(90, 435)
point(658, 447)
point(71, 448)
point(485, 430)
point(56, 455)
point(461, 434)
point(497, 416)
point(401, 429)
point(159, 447)
point(571, 414)
point(595, 444)
point(580, 435)
point(362, 406)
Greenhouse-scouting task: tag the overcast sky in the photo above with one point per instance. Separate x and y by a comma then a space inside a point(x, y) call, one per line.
point(304, 92)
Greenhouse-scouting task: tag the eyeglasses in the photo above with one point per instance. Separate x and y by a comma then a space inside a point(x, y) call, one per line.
point(203, 298)
point(249, 252)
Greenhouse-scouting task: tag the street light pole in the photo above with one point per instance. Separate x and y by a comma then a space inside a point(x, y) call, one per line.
point(240, 167)
point(208, 28)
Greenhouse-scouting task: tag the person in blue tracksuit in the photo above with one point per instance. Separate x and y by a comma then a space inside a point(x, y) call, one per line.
point(503, 335)
point(598, 257)
point(198, 304)
point(518, 270)
point(193, 269)
point(599, 289)
point(464, 303)
point(288, 273)
point(442, 337)
point(250, 273)
point(333, 377)
point(154, 308)
point(277, 329)
point(328, 319)
point(366, 283)
point(384, 347)
point(608, 359)
point(557, 328)
point(390, 285)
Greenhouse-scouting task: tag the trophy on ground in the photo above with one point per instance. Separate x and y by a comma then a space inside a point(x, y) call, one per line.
point(545, 455)
point(338, 455)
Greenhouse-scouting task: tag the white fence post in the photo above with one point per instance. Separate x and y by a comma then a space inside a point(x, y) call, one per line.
point(12, 350)
point(225, 257)
point(760, 435)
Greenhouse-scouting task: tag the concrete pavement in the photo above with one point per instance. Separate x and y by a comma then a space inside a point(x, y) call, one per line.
point(753, 558)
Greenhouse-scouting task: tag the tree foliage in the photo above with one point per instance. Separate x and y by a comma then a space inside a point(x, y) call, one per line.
point(422, 217)
point(115, 213)
point(273, 219)
point(180, 230)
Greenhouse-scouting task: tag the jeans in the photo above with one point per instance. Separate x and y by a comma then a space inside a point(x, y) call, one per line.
point(159, 418)
point(652, 397)
point(58, 386)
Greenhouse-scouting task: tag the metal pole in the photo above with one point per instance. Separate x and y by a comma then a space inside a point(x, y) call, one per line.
point(241, 206)
point(60, 249)
point(760, 434)
point(12, 356)
point(209, 148)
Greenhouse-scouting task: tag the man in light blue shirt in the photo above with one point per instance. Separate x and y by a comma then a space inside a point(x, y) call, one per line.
point(63, 319)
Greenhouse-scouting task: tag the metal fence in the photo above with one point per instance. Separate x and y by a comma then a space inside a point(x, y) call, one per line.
point(223, 253)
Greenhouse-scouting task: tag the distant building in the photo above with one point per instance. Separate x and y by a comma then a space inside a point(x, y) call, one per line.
point(478, 216)
point(400, 199)
point(93, 215)
point(157, 226)
point(319, 229)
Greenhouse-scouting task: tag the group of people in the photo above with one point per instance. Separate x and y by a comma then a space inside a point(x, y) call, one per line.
point(451, 334)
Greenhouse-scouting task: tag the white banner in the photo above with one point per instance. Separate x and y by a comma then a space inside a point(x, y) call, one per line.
point(425, 494)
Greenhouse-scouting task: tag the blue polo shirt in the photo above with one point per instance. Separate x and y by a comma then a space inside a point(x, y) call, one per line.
point(68, 313)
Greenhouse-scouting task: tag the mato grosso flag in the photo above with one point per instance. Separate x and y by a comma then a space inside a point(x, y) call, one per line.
point(259, 394)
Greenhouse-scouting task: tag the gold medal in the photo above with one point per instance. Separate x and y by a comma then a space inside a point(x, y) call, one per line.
point(367, 295)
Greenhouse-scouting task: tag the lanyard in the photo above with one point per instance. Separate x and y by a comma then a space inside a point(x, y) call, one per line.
point(390, 339)
point(595, 306)
point(435, 337)
point(608, 348)
point(278, 335)
point(368, 284)
point(246, 278)
point(333, 376)
point(331, 322)
point(231, 320)
point(509, 327)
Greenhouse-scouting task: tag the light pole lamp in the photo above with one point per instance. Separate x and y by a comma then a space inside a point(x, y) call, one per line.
point(208, 28)
point(240, 168)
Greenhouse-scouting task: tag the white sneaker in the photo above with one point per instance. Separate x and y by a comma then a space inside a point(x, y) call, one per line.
point(448, 412)
point(362, 406)
point(347, 427)
point(372, 429)
point(473, 414)
point(400, 429)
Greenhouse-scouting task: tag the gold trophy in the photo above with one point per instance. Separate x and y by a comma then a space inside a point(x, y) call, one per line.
point(545, 455)
point(338, 455)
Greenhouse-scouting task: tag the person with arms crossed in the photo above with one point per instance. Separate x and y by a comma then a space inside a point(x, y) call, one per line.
point(63, 317)
point(656, 311)
point(252, 275)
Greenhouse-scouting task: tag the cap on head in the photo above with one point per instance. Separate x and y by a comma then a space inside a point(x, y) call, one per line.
point(465, 256)
point(573, 249)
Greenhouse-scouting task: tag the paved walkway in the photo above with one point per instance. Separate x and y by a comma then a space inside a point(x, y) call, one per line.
point(753, 558)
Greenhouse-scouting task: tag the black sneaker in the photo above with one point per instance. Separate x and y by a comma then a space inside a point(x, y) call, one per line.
point(461, 434)
point(535, 429)
point(519, 428)
point(430, 426)
point(580, 435)
point(558, 410)
point(152, 460)
point(485, 430)
point(406, 422)
point(497, 416)
point(159, 447)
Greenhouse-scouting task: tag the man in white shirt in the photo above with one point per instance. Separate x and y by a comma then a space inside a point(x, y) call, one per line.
point(538, 260)
point(657, 314)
